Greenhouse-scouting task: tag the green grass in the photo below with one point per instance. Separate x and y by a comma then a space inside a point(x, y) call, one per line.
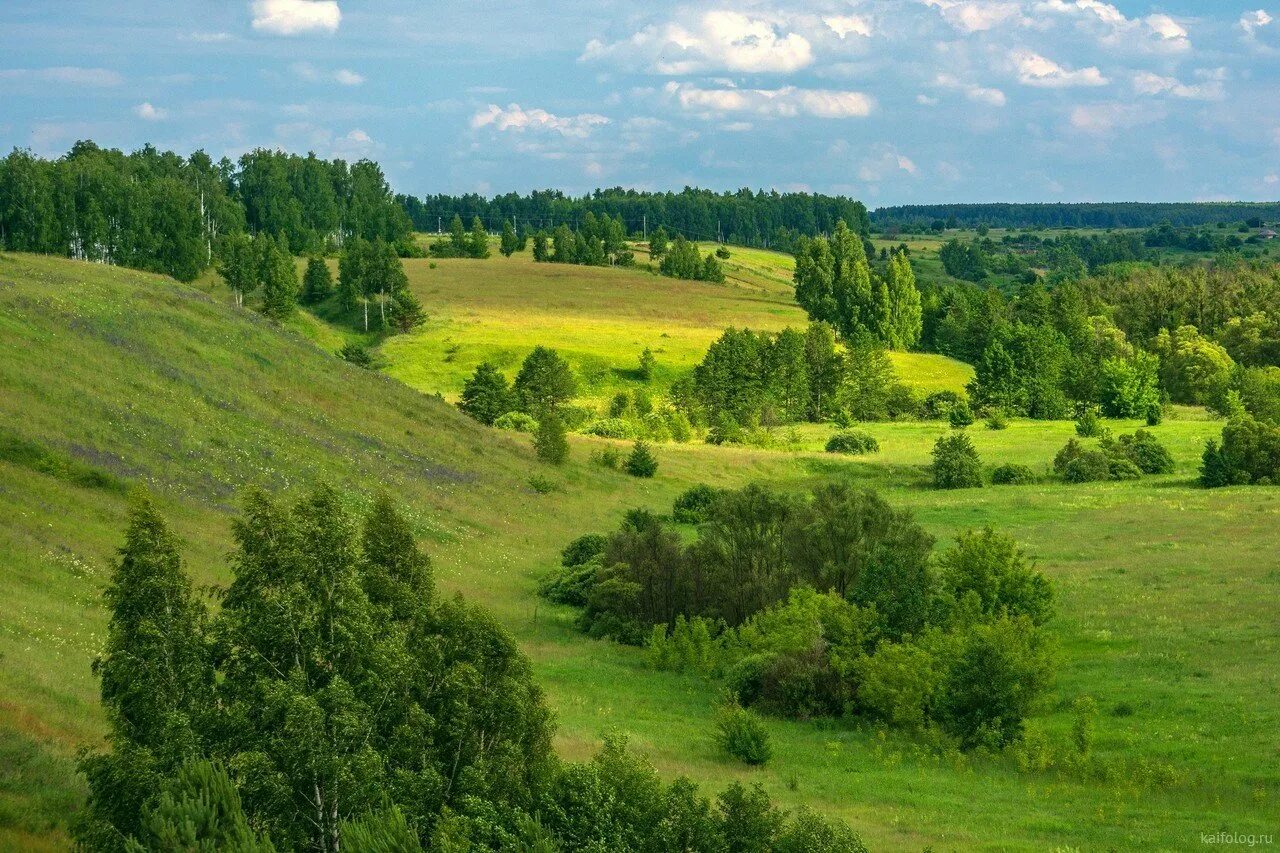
point(1166, 591)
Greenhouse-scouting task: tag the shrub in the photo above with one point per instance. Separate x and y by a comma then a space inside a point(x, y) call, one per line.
point(1155, 415)
point(726, 431)
point(1249, 453)
point(357, 355)
point(607, 457)
point(722, 253)
point(641, 462)
point(550, 441)
point(516, 421)
point(570, 584)
point(611, 428)
point(741, 734)
point(955, 463)
point(678, 425)
point(655, 427)
point(1089, 424)
point(990, 566)
point(542, 485)
point(961, 415)
point(997, 419)
point(1012, 475)
point(938, 405)
point(1091, 466)
point(853, 442)
point(1069, 453)
point(1145, 451)
point(692, 506)
point(583, 549)
point(899, 684)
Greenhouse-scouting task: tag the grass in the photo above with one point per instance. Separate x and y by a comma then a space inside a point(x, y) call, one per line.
point(1166, 591)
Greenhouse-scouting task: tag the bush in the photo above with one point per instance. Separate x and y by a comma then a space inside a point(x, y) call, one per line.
point(678, 425)
point(741, 734)
point(641, 462)
point(1069, 453)
point(1155, 415)
point(1145, 451)
point(516, 421)
point(550, 441)
point(1091, 466)
point(611, 428)
point(1249, 453)
point(938, 405)
point(692, 506)
point(990, 567)
point(997, 420)
point(1012, 475)
point(357, 355)
point(583, 549)
point(1089, 424)
point(542, 485)
point(961, 415)
point(955, 463)
point(607, 457)
point(655, 427)
point(899, 684)
point(570, 584)
point(853, 442)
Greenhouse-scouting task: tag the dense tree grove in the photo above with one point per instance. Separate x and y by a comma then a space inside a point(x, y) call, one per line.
point(829, 605)
point(748, 218)
point(597, 242)
point(835, 284)
point(1086, 215)
point(161, 212)
point(335, 701)
point(371, 272)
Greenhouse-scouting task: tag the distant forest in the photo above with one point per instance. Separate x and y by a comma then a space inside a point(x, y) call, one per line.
point(746, 217)
point(1088, 215)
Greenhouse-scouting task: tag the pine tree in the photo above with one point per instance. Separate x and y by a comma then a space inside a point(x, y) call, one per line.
point(405, 313)
point(550, 441)
point(641, 462)
point(658, 243)
point(478, 245)
point(200, 810)
point(540, 253)
point(486, 396)
point(459, 246)
point(317, 282)
point(509, 241)
point(544, 381)
point(647, 365)
point(279, 279)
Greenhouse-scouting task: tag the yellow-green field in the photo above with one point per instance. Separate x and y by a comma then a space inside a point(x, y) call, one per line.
point(599, 319)
point(1166, 592)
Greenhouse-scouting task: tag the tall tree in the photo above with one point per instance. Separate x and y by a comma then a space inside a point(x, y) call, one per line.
point(509, 242)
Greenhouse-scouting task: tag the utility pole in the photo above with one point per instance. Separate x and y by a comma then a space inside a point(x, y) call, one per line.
point(439, 225)
point(644, 228)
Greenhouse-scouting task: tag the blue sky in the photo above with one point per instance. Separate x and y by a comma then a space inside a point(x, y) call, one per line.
point(890, 101)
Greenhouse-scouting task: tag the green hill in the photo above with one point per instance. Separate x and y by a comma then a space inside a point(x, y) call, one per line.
point(110, 378)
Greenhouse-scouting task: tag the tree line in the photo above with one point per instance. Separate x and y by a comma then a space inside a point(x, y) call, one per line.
point(1084, 215)
point(745, 217)
point(334, 700)
point(161, 212)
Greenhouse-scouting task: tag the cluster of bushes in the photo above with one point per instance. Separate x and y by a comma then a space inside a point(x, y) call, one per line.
point(681, 259)
point(829, 605)
point(853, 442)
point(1127, 457)
point(597, 242)
point(1247, 454)
point(335, 701)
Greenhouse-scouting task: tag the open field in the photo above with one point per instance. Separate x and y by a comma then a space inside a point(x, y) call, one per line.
point(1166, 592)
point(599, 319)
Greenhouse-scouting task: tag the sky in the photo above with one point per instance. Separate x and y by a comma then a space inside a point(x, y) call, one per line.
point(889, 101)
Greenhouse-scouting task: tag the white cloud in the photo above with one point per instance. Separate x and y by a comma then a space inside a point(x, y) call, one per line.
point(292, 17)
point(1102, 119)
point(978, 94)
point(1166, 28)
point(1148, 83)
point(312, 74)
point(207, 38)
point(926, 100)
point(973, 16)
point(69, 75)
point(1251, 22)
point(886, 163)
point(786, 102)
point(719, 40)
point(1036, 70)
point(1157, 31)
point(1271, 180)
point(147, 112)
point(516, 118)
point(847, 25)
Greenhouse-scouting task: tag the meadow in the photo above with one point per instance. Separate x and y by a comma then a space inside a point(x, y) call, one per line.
point(1166, 592)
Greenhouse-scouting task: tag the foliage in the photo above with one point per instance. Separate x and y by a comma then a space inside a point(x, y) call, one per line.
point(517, 421)
point(1144, 450)
point(1089, 424)
point(961, 415)
point(317, 282)
point(991, 567)
point(852, 441)
point(1012, 474)
point(741, 734)
point(550, 441)
point(693, 504)
point(641, 462)
point(544, 381)
point(955, 463)
point(611, 428)
point(997, 420)
point(1249, 453)
point(355, 354)
point(1193, 368)
point(486, 396)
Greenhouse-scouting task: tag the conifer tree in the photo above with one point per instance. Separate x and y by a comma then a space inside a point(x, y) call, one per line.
point(641, 461)
point(509, 240)
point(478, 245)
point(544, 381)
point(658, 243)
point(351, 273)
point(550, 441)
point(540, 252)
point(486, 396)
point(459, 245)
point(317, 282)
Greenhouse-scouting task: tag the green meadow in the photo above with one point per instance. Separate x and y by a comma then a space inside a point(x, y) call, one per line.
point(111, 379)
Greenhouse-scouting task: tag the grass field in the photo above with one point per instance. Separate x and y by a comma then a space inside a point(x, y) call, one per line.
point(1166, 592)
point(600, 319)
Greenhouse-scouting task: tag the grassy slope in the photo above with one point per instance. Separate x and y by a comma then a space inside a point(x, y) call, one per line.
point(1166, 591)
point(600, 319)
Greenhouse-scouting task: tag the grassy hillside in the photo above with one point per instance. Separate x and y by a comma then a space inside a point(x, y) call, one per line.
point(108, 378)
point(600, 319)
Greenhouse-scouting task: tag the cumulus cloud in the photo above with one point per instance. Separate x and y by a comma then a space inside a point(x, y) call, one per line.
point(979, 94)
point(785, 102)
point(69, 75)
point(293, 17)
point(847, 25)
point(972, 16)
point(312, 74)
point(1157, 31)
point(147, 112)
point(1149, 83)
point(517, 119)
point(1036, 70)
point(1251, 22)
point(718, 41)
point(885, 163)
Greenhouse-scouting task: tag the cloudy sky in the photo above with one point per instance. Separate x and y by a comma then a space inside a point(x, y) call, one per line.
point(891, 101)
